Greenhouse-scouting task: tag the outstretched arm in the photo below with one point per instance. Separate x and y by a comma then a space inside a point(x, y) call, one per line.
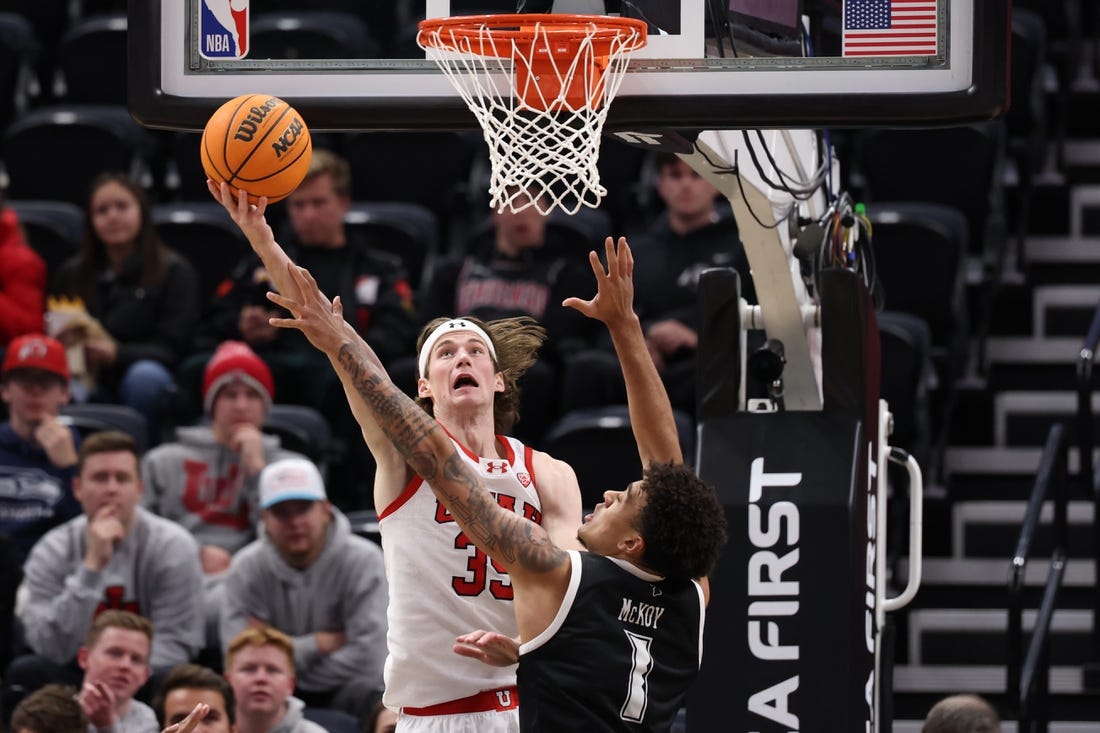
point(521, 546)
point(650, 410)
point(250, 218)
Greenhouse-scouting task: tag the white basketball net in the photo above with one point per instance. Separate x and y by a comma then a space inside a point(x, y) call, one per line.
point(544, 138)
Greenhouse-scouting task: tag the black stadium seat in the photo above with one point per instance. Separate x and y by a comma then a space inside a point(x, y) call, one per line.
point(93, 417)
point(204, 233)
point(310, 34)
point(55, 152)
point(407, 230)
point(428, 168)
point(18, 52)
point(599, 444)
point(54, 229)
point(92, 61)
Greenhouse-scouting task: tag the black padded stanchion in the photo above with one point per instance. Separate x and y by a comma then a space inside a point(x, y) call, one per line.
point(790, 635)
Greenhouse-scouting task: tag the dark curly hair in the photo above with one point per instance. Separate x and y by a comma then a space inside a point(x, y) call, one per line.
point(516, 342)
point(682, 522)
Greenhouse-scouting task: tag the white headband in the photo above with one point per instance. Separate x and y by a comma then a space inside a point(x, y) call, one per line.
point(450, 327)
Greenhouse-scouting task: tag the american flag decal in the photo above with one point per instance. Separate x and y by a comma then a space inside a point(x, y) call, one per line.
point(890, 27)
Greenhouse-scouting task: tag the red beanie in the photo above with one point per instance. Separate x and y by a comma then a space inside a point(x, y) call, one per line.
point(234, 360)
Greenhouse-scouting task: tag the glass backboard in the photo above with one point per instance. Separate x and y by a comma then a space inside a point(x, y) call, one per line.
point(709, 64)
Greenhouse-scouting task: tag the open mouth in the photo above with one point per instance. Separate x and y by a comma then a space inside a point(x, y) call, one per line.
point(464, 380)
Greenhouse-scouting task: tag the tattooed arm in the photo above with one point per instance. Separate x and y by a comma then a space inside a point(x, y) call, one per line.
point(522, 547)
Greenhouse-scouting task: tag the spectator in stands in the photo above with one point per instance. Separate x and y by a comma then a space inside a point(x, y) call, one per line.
point(37, 462)
point(52, 709)
point(140, 295)
point(311, 578)
point(37, 452)
point(190, 685)
point(206, 480)
point(115, 660)
point(259, 665)
point(523, 271)
point(22, 281)
point(691, 235)
point(962, 714)
point(116, 555)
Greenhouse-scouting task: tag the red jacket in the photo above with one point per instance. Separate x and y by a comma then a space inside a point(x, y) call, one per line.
point(22, 282)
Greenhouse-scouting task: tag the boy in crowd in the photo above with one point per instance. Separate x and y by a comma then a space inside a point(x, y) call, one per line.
point(259, 665)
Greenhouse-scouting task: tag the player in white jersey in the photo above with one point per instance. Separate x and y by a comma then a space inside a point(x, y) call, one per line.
point(467, 381)
point(447, 585)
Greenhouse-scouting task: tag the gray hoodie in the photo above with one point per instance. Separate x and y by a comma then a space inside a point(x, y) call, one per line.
point(200, 484)
point(344, 590)
point(293, 722)
point(139, 718)
point(154, 572)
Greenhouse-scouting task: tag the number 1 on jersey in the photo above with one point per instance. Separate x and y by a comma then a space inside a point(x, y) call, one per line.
point(637, 690)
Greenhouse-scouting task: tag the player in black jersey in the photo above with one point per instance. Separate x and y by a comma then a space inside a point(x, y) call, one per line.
point(611, 638)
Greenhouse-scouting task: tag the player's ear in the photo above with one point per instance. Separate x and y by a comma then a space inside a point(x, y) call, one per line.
point(498, 382)
point(423, 390)
point(633, 545)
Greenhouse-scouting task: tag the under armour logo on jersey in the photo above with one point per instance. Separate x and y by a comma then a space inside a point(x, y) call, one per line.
point(492, 467)
point(657, 591)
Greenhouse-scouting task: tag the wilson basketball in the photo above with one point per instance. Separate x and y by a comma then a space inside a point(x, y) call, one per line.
point(258, 143)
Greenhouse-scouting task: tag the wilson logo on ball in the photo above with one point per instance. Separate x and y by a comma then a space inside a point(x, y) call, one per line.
point(259, 144)
point(256, 115)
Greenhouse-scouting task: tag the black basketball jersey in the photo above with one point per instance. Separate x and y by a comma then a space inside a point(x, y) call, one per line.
point(620, 655)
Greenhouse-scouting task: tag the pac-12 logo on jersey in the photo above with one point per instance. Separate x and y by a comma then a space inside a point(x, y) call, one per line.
point(223, 29)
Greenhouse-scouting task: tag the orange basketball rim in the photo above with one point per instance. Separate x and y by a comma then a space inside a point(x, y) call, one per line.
point(558, 61)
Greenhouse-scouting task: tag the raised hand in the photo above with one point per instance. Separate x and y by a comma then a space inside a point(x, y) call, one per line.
point(249, 217)
point(57, 441)
point(320, 319)
point(105, 531)
point(191, 722)
point(247, 440)
point(98, 702)
point(614, 300)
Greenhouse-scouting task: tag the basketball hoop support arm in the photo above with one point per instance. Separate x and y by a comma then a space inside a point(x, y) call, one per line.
point(783, 298)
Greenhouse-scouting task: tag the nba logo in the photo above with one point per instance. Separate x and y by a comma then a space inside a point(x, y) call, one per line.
point(223, 29)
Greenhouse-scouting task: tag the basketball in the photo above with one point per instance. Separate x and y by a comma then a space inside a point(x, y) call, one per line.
point(258, 143)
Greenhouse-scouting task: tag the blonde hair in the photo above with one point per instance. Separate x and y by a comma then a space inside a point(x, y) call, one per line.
point(257, 637)
point(516, 342)
point(325, 161)
point(115, 619)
